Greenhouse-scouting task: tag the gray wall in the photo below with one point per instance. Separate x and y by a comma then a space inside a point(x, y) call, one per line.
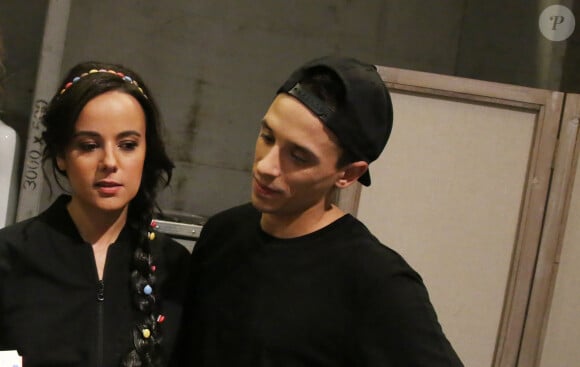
point(21, 27)
point(213, 66)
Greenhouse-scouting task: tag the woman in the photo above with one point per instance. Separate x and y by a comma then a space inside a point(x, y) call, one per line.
point(88, 282)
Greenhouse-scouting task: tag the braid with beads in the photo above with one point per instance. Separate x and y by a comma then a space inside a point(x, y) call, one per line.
point(146, 333)
point(84, 82)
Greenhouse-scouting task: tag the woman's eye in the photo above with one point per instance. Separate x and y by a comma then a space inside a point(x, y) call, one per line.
point(88, 146)
point(128, 145)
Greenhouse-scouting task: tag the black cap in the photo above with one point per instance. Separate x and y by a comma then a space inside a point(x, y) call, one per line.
point(363, 122)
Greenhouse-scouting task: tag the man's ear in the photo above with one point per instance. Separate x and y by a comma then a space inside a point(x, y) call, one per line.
point(350, 173)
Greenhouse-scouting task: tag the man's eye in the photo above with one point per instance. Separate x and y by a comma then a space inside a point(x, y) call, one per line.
point(267, 138)
point(300, 158)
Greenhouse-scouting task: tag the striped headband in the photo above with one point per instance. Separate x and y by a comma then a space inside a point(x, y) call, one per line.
point(126, 78)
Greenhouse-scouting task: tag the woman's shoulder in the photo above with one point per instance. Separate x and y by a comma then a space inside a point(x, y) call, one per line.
point(52, 219)
point(169, 248)
point(20, 231)
point(19, 240)
point(171, 259)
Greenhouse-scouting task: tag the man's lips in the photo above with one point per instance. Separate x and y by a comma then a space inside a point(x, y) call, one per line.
point(264, 189)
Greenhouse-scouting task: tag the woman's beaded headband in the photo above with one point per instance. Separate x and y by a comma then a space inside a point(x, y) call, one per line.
point(126, 78)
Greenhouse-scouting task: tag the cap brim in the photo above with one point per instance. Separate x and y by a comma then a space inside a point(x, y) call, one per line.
point(365, 179)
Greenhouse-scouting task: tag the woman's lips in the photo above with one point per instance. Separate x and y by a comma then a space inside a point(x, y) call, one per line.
point(108, 187)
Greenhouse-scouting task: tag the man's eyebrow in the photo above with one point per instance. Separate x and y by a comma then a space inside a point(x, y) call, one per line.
point(306, 151)
point(265, 125)
point(295, 145)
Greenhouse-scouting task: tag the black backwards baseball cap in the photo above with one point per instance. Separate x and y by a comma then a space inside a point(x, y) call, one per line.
point(364, 120)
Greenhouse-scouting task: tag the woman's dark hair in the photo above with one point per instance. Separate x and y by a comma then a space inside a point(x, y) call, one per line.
point(84, 82)
point(326, 85)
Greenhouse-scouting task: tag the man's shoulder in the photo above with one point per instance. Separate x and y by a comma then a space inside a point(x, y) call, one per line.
point(227, 234)
point(231, 223)
point(233, 215)
point(368, 252)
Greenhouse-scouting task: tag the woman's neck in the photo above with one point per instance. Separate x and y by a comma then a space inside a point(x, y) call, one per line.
point(97, 227)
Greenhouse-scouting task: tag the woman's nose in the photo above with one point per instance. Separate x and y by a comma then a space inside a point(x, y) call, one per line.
point(109, 161)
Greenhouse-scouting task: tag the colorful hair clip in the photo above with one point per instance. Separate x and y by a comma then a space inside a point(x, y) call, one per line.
point(160, 319)
point(124, 77)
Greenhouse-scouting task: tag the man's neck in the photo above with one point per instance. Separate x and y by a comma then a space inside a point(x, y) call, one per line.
point(291, 226)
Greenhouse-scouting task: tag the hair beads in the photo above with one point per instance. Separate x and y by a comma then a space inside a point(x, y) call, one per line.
point(147, 333)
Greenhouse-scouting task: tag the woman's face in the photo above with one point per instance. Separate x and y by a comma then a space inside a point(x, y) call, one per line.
point(105, 157)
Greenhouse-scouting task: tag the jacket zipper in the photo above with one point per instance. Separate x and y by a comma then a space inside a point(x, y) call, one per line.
point(100, 326)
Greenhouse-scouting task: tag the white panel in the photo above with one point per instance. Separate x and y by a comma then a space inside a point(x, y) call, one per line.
point(9, 146)
point(446, 194)
point(563, 331)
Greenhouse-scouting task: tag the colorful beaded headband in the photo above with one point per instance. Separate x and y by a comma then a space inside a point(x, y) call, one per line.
point(126, 78)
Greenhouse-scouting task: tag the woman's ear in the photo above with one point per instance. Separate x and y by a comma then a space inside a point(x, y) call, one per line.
point(350, 173)
point(61, 163)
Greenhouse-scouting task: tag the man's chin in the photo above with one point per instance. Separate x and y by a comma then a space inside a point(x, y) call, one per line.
point(261, 205)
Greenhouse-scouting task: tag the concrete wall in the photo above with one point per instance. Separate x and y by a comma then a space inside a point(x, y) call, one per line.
point(214, 65)
point(21, 27)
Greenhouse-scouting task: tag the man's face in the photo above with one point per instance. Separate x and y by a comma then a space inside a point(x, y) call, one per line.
point(295, 160)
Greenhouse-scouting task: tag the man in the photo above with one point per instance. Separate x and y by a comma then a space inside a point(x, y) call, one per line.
point(292, 280)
